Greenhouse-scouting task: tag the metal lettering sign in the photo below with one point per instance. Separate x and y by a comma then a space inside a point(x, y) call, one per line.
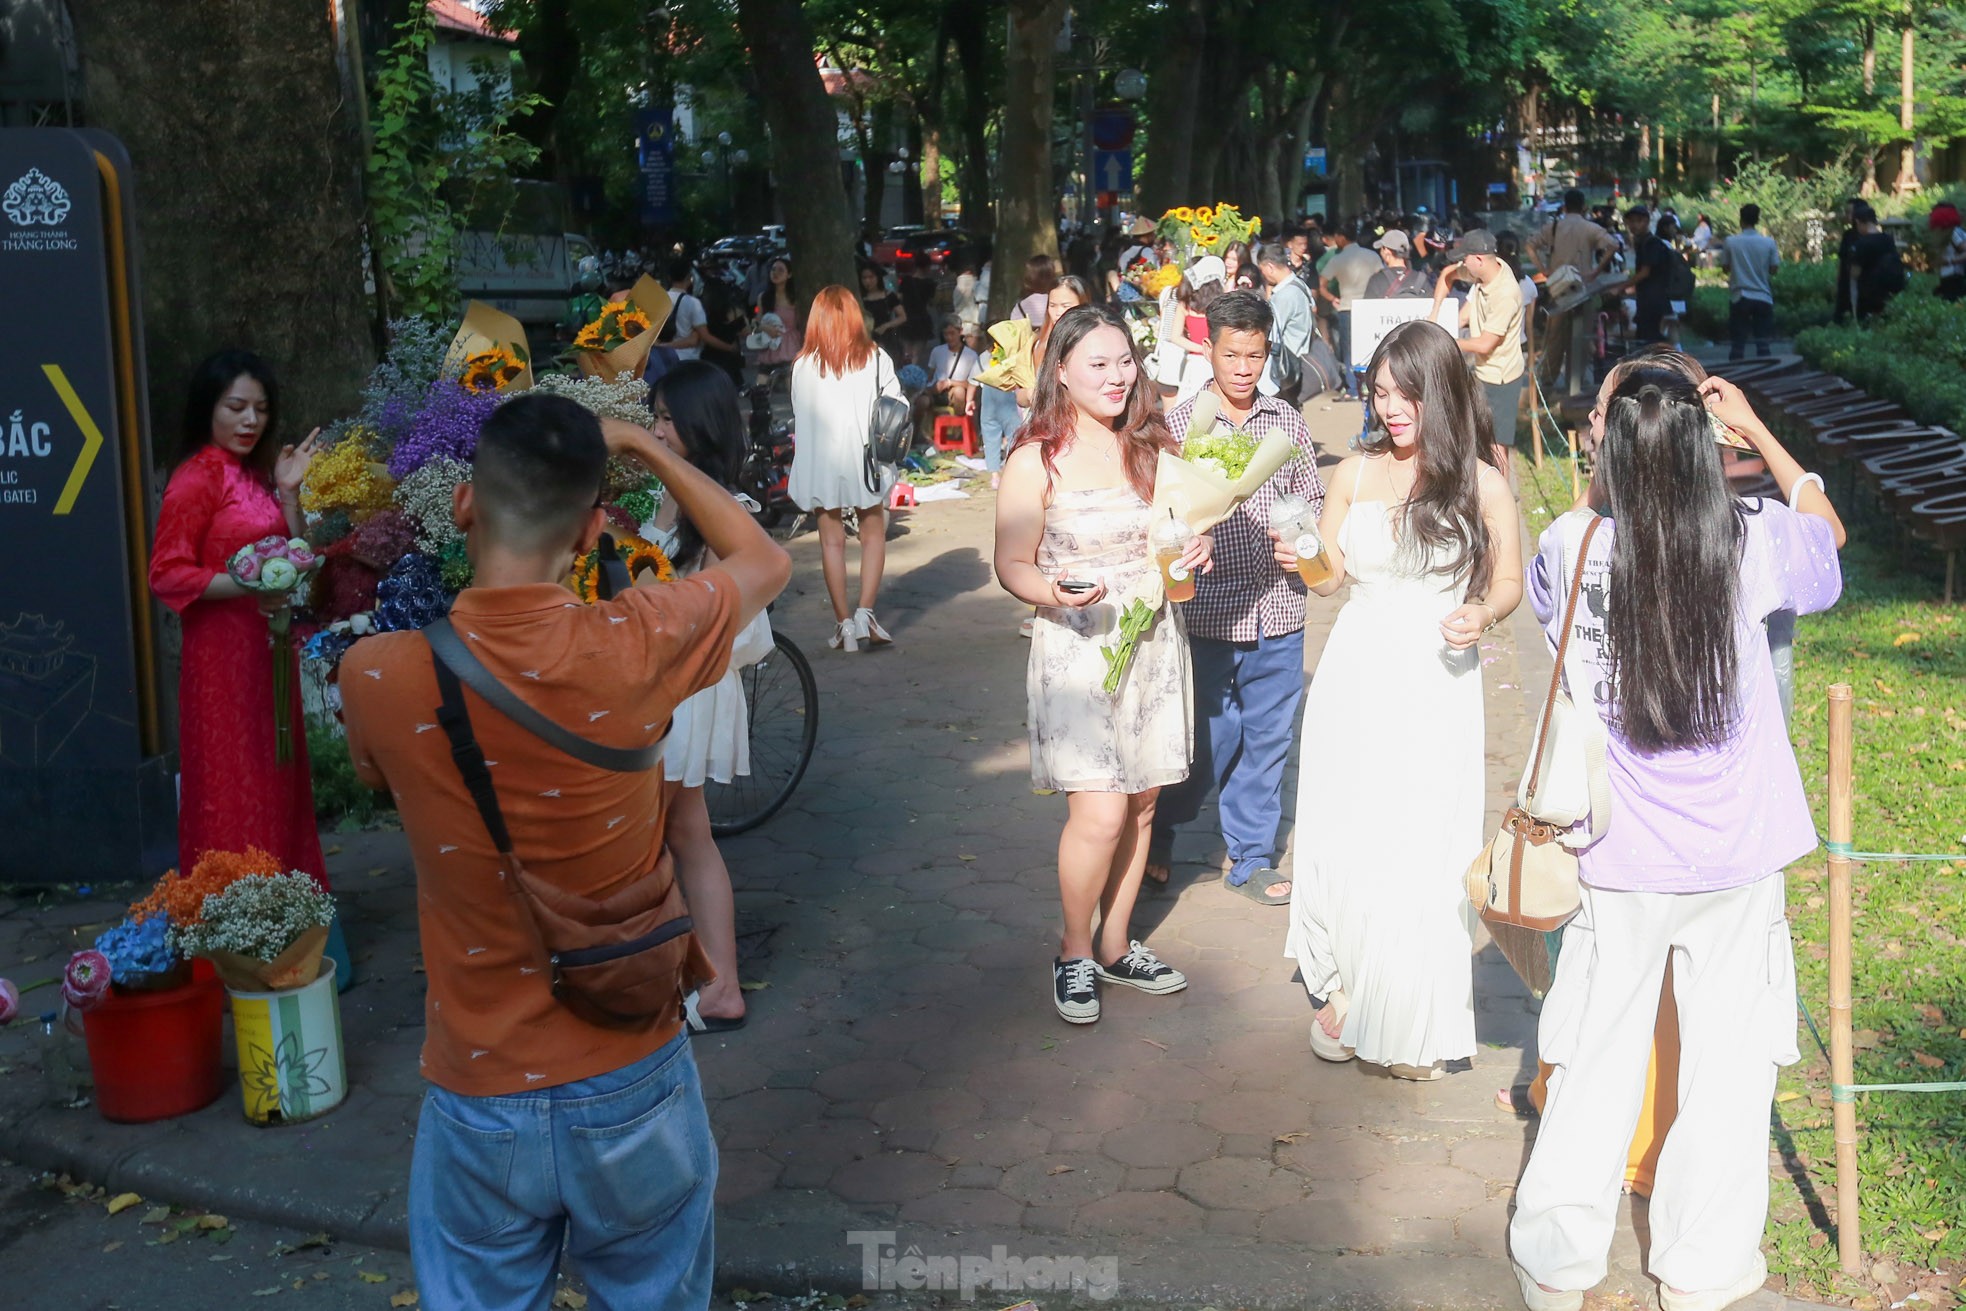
point(70, 743)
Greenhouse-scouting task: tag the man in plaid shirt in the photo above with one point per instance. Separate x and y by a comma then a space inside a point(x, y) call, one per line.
point(1245, 624)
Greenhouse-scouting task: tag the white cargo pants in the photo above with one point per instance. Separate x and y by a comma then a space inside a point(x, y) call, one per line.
point(1734, 977)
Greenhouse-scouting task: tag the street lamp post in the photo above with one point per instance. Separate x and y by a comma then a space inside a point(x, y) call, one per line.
point(724, 154)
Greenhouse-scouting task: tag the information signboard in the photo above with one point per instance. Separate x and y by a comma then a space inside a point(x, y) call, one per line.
point(655, 155)
point(80, 796)
point(1373, 319)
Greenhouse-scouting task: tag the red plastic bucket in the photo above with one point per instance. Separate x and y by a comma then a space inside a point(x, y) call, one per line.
point(157, 1054)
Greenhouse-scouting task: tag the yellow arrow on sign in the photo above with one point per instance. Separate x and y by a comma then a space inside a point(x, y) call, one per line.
point(91, 437)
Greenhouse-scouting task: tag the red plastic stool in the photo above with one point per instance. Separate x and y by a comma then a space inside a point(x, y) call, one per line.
point(901, 496)
point(965, 440)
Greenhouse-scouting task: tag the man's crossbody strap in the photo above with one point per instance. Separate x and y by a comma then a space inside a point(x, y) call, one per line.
point(469, 756)
point(454, 656)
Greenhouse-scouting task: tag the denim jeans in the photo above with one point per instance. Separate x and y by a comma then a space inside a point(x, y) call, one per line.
point(997, 423)
point(1249, 693)
point(621, 1167)
point(1344, 349)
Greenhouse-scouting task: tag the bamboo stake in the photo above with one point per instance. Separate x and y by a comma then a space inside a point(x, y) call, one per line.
point(1849, 1236)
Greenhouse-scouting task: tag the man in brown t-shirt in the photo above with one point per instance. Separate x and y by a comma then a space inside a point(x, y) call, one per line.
point(541, 1125)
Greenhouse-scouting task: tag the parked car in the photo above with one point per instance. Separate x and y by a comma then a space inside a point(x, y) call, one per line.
point(924, 252)
point(775, 234)
point(889, 245)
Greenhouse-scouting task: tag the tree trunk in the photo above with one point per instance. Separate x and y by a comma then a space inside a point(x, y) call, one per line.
point(1226, 75)
point(1290, 165)
point(1907, 153)
point(804, 137)
point(875, 152)
point(1869, 187)
point(549, 45)
point(1025, 225)
point(931, 140)
point(1173, 96)
point(249, 202)
point(965, 23)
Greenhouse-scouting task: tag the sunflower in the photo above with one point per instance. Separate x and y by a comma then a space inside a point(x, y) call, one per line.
point(1256, 226)
point(1186, 213)
point(1197, 236)
point(632, 322)
point(640, 556)
point(1204, 216)
point(491, 370)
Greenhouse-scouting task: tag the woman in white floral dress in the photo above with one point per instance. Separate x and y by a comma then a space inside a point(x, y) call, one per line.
point(1072, 526)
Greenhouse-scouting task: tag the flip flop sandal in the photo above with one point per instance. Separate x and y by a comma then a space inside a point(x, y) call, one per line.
point(1516, 1099)
point(700, 1023)
point(1257, 890)
point(1153, 887)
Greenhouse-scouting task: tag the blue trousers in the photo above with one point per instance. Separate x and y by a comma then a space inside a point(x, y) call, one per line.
point(997, 422)
point(1248, 693)
point(618, 1170)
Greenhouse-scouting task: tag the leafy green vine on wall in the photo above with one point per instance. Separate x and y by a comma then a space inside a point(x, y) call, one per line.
point(438, 159)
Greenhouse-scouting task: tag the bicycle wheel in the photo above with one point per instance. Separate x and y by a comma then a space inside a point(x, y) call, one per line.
point(782, 698)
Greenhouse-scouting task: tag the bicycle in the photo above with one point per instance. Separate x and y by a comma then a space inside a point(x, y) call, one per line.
point(782, 700)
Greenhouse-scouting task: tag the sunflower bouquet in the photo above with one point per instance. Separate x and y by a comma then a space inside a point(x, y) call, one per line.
point(489, 353)
point(1206, 229)
point(639, 555)
point(618, 341)
point(492, 370)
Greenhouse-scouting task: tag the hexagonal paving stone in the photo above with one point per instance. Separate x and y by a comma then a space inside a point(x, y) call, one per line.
point(744, 1174)
point(1253, 1112)
point(1063, 1180)
point(1151, 1215)
point(890, 1177)
point(1422, 1191)
point(1081, 1109)
point(757, 1118)
point(1001, 1143)
point(963, 1209)
point(1240, 1184)
point(1324, 1225)
point(918, 1119)
point(870, 1080)
point(1498, 1160)
point(1158, 1144)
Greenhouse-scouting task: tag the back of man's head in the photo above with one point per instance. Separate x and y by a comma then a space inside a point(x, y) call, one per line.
point(537, 474)
point(1274, 255)
point(1861, 212)
point(1750, 215)
point(1239, 311)
point(679, 270)
point(1573, 201)
point(1639, 214)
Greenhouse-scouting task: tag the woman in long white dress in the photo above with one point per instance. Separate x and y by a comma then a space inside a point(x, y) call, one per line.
point(1392, 781)
point(835, 381)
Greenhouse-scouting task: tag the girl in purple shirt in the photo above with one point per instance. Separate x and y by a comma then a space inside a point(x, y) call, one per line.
point(1707, 808)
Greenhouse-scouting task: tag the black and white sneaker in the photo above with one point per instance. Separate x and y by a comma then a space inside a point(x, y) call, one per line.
point(1075, 989)
point(1141, 969)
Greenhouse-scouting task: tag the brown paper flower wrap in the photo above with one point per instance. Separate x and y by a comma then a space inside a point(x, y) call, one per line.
point(1010, 358)
point(261, 932)
point(296, 967)
point(489, 352)
point(616, 358)
point(1202, 497)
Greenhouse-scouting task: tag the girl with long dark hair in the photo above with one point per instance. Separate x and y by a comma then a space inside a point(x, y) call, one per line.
point(1707, 806)
point(1073, 519)
point(234, 483)
point(698, 417)
point(1392, 790)
point(781, 298)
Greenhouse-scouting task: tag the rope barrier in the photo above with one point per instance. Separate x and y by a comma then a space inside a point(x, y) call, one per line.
point(1847, 1092)
point(1848, 852)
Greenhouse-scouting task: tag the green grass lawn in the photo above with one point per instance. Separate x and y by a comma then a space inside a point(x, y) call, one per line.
point(1901, 652)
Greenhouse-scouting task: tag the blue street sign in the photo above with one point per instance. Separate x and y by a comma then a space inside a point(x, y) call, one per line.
point(655, 155)
point(1112, 170)
point(1112, 129)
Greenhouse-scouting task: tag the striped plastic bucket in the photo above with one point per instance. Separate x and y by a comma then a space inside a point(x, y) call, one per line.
point(290, 1058)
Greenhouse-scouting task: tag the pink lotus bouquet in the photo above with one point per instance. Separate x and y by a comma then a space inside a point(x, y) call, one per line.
point(277, 566)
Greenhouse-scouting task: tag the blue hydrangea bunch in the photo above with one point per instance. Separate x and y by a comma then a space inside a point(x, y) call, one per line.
point(412, 596)
point(136, 950)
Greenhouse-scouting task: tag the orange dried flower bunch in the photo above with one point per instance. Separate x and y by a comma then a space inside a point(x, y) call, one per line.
point(182, 896)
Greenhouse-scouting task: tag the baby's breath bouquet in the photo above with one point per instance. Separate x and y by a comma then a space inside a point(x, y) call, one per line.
point(262, 932)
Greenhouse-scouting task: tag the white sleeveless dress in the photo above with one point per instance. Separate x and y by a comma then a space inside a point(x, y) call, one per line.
point(1391, 790)
point(709, 738)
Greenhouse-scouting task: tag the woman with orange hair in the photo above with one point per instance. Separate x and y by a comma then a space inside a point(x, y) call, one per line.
point(839, 375)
